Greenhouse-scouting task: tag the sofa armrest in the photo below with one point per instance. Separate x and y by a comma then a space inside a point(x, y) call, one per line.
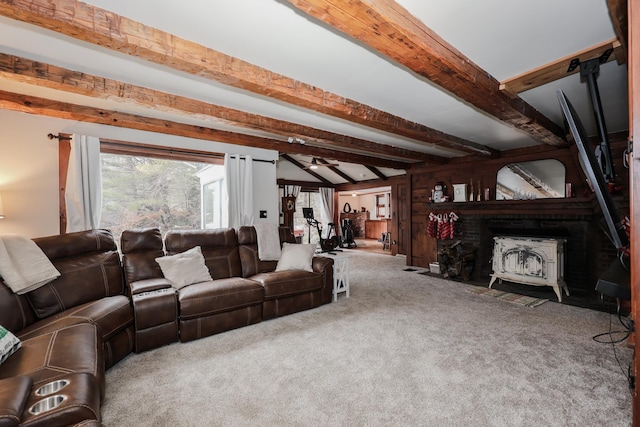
point(14, 393)
point(324, 266)
point(148, 285)
point(321, 263)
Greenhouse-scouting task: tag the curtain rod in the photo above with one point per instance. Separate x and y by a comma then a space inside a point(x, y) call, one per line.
point(166, 149)
point(58, 136)
point(273, 162)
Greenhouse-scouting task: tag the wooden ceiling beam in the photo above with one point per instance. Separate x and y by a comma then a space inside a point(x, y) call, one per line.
point(377, 173)
point(67, 111)
point(304, 184)
point(337, 171)
point(558, 69)
point(24, 70)
point(619, 12)
point(296, 163)
point(109, 30)
point(391, 30)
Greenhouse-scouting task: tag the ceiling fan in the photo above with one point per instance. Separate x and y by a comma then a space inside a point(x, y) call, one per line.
point(314, 164)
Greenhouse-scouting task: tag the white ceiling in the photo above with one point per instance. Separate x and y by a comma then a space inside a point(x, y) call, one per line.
point(504, 37)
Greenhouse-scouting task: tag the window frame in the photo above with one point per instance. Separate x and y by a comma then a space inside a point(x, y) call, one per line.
point(111, 146)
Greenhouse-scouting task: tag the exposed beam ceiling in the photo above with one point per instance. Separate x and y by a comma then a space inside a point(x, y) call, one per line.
point(97, 26)
point(304, 168)
point(559, 69)
point(352, 90)
point(388, 28)
point(46, 107)
point(23, 70)
point(377, 173)
point(337, 171)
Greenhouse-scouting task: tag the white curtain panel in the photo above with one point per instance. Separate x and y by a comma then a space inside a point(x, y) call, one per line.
point(83, 193)
point(326, 195)
point(292, 190)
point(239, 185)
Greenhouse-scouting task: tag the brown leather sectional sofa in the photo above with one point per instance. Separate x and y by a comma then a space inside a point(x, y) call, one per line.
point(104, 306)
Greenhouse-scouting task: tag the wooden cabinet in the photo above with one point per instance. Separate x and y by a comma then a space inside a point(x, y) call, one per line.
point(374, 229)
point(358, 220)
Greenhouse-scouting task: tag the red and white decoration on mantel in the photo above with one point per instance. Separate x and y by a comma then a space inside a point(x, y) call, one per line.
point(442, 226)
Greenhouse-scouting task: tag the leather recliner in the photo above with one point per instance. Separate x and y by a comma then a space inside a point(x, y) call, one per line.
point(228, 301)
point(71, 329)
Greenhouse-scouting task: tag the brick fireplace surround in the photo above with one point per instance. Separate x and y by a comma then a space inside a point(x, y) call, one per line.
point(588, 250)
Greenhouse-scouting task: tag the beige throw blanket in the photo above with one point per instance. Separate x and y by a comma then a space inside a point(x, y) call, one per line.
point(268, 241)
point(23, 265)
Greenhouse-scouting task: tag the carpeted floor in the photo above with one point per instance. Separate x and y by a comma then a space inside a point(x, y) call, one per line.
point(369, 245)
point(404, 349)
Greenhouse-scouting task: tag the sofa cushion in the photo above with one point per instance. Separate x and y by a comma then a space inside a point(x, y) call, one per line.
point(139, 249)
point(76, 348)
point(296, 257)
point(219, 248)
point(90, 269)
point(248, 241)
point(217, 296)
point(110, 314)
point(184, 268)
point(279, 284)
point(15, 312)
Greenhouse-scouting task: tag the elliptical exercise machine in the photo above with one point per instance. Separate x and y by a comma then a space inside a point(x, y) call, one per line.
point(348, 240)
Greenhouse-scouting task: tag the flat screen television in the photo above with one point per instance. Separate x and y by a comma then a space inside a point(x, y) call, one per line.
point(615, 281)
point(594, 173)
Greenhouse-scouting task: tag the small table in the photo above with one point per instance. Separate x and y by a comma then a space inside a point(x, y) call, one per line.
point(340, 274)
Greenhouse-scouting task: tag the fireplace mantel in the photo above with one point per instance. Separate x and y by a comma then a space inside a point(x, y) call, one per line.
point(584, 207)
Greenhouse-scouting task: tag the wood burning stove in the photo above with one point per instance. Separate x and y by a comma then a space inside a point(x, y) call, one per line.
point(530, 261)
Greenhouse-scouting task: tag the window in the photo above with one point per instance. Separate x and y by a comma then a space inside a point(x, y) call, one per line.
point(151, 186)
point(141, 192)
point(212, 182)
point(382, 205)
point(308, 199)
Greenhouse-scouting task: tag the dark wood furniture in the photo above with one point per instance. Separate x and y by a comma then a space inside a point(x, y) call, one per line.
point(375, 228)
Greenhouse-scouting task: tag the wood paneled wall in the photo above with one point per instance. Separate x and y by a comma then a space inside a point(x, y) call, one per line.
point(577, 215)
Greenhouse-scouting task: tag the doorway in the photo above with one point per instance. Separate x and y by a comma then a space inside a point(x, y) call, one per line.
point(367, 213)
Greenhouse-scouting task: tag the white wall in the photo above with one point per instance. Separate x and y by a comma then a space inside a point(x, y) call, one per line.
point(29, 168)
point(367, 201)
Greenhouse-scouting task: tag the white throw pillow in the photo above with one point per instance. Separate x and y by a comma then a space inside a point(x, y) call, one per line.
point(185, 268)
point(296, 257)
point(9, 344)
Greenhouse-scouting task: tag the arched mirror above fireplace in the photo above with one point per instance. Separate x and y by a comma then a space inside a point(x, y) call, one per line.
point(538, 179)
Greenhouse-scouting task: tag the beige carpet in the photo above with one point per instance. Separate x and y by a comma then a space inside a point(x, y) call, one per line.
point(369, 245)
point(405, 349)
